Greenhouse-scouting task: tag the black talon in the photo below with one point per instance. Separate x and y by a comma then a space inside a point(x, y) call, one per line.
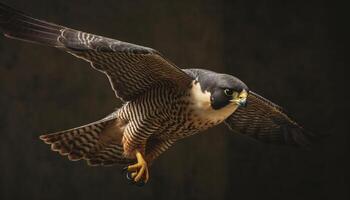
point(130, 179)
point(128, 176)
point(124, 170)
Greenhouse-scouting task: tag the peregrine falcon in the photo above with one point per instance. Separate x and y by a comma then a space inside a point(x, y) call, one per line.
point(161, 102)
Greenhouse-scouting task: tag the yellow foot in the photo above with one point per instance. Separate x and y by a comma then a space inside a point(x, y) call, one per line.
point(139, 171)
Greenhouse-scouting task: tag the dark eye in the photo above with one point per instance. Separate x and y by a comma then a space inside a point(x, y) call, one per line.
point(228, 92)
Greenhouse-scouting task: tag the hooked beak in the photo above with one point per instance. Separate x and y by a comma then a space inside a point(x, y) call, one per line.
point(241, 99)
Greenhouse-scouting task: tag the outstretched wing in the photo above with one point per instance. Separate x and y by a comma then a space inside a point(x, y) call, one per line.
point(131, 69)
point(267, 122)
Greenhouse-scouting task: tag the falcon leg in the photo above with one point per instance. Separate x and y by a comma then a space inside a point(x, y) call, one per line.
point(138, 171)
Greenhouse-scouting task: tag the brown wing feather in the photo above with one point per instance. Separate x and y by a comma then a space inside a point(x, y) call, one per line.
point(267, 122)
point(131, 69)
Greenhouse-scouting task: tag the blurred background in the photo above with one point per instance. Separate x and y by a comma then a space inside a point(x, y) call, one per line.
point(291, 53)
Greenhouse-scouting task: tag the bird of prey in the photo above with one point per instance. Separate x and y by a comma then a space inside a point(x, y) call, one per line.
point(162, 103)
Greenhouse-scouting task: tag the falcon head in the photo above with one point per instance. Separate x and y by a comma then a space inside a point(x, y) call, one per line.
point(224, 89)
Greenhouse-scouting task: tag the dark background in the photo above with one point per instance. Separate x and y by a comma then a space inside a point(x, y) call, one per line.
point(291, 53)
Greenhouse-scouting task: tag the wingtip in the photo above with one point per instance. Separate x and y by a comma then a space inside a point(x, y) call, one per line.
point(6, 12)
point(4, 7)
point(314, 137)
point(304, 138)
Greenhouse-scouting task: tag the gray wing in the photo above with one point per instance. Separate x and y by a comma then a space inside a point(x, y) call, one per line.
point(265, 121)
point(131, 69)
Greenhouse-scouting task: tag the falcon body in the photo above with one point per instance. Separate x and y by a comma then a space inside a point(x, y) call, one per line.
point(162, 103)
point(162, 116)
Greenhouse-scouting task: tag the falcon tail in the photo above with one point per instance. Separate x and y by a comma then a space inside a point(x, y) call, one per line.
point(17, 25)
point(99, 143)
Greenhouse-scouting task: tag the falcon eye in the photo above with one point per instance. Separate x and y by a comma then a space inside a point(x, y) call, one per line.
point(228, 92)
